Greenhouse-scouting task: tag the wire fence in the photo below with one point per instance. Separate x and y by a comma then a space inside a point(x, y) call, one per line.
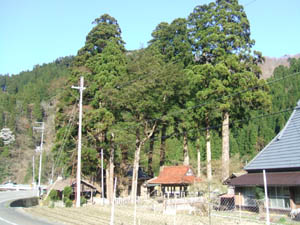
point(208, 209)
point(224, 209)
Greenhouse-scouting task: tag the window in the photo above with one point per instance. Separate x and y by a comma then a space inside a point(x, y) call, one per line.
point(249, 196)
point(297, 195)
point(279, 197)
point(189, 173)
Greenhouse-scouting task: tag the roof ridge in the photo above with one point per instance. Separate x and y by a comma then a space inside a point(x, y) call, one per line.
point(277, 138)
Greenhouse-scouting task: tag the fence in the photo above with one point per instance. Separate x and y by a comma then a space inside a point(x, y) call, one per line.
point(209, 209)
point(17, 187)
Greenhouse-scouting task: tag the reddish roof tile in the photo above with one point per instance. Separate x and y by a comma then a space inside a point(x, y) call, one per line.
point(175, 175)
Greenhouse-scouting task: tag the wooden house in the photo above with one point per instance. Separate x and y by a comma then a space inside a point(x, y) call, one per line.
point(87, 189)
point(142, 178)
point(281, 161)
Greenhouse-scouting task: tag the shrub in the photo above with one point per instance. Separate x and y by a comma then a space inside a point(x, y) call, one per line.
point(68, 203)
point(282, 220)
point(53, 195)
point(67, 192)
point(83, 201)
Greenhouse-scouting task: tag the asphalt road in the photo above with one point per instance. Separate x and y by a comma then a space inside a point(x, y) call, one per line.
point(15, 216)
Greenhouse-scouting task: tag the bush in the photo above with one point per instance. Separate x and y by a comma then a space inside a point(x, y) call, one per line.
point(68, 203)
point(83, 201)
point(67, 192)
point(282, 220)
point(53, 195)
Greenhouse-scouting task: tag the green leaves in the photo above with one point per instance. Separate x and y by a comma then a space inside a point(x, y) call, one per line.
point(102, 62)
point(106, 30)
point(219, 29)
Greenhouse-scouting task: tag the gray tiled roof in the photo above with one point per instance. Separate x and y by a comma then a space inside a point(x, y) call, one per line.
point(284, 150)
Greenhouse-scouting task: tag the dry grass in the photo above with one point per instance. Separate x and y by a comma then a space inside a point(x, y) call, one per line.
point(123, 215)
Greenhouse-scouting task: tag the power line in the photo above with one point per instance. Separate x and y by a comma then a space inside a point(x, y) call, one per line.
point(141, 78)
point(232, 122)
point(238, 93)
point(68, 128)
point(249, 3)
point(216, 100)
point(222, 97)
point(234, 94)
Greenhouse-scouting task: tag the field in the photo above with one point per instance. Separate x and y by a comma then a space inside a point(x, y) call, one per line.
point(124, 214)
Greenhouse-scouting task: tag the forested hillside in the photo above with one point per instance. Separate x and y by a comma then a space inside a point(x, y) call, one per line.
point(24, 99)
point(196, 89)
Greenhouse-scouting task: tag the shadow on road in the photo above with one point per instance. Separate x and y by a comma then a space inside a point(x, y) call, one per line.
point(27, 202)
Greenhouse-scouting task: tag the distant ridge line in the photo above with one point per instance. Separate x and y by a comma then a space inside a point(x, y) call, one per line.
point(272, 62)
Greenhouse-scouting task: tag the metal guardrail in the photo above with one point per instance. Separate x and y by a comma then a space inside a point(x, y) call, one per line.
point(16, 187)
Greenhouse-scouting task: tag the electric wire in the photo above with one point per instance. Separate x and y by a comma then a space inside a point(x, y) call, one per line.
point(69, 126)
point(249, 3)
point(178, 134)
point(271, 82)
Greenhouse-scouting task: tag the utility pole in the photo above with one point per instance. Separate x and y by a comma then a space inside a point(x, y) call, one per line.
point(102, 180)
point(266, 198)
point(78, 178)
point(52, 174)
point(33, 175)
point(39, 149)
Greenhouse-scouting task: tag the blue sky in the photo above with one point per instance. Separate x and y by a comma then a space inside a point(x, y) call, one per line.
point(39, 31)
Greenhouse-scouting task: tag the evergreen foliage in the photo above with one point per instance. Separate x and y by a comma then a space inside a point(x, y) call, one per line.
point(192, 72)
point(53, 195)
point(150, 106)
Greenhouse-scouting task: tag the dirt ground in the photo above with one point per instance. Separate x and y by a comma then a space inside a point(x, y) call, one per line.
point(125, 215)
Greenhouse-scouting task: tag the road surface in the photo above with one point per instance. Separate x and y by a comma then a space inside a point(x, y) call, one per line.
point(15, 216)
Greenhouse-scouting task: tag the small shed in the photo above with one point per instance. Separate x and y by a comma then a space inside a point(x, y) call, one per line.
point(88, 190)
point(173, 180)
point(142, 178)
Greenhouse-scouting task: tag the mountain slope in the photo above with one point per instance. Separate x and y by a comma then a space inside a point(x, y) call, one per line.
point(271, 63)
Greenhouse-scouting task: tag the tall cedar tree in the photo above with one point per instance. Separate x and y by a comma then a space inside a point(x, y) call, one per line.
point(144, 97)
point(220, 34)
point(172, 42)
point(102, 62)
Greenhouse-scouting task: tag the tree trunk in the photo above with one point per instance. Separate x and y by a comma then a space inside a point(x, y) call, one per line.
point(163, 145)
point(225, 146)
point(138, 144)
point(135, 168)
point(150, 155)
point(208, 154)
point(111, 179)
point(108, 188)
point(186, 159)
point(198, 158)
point(111, 168)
